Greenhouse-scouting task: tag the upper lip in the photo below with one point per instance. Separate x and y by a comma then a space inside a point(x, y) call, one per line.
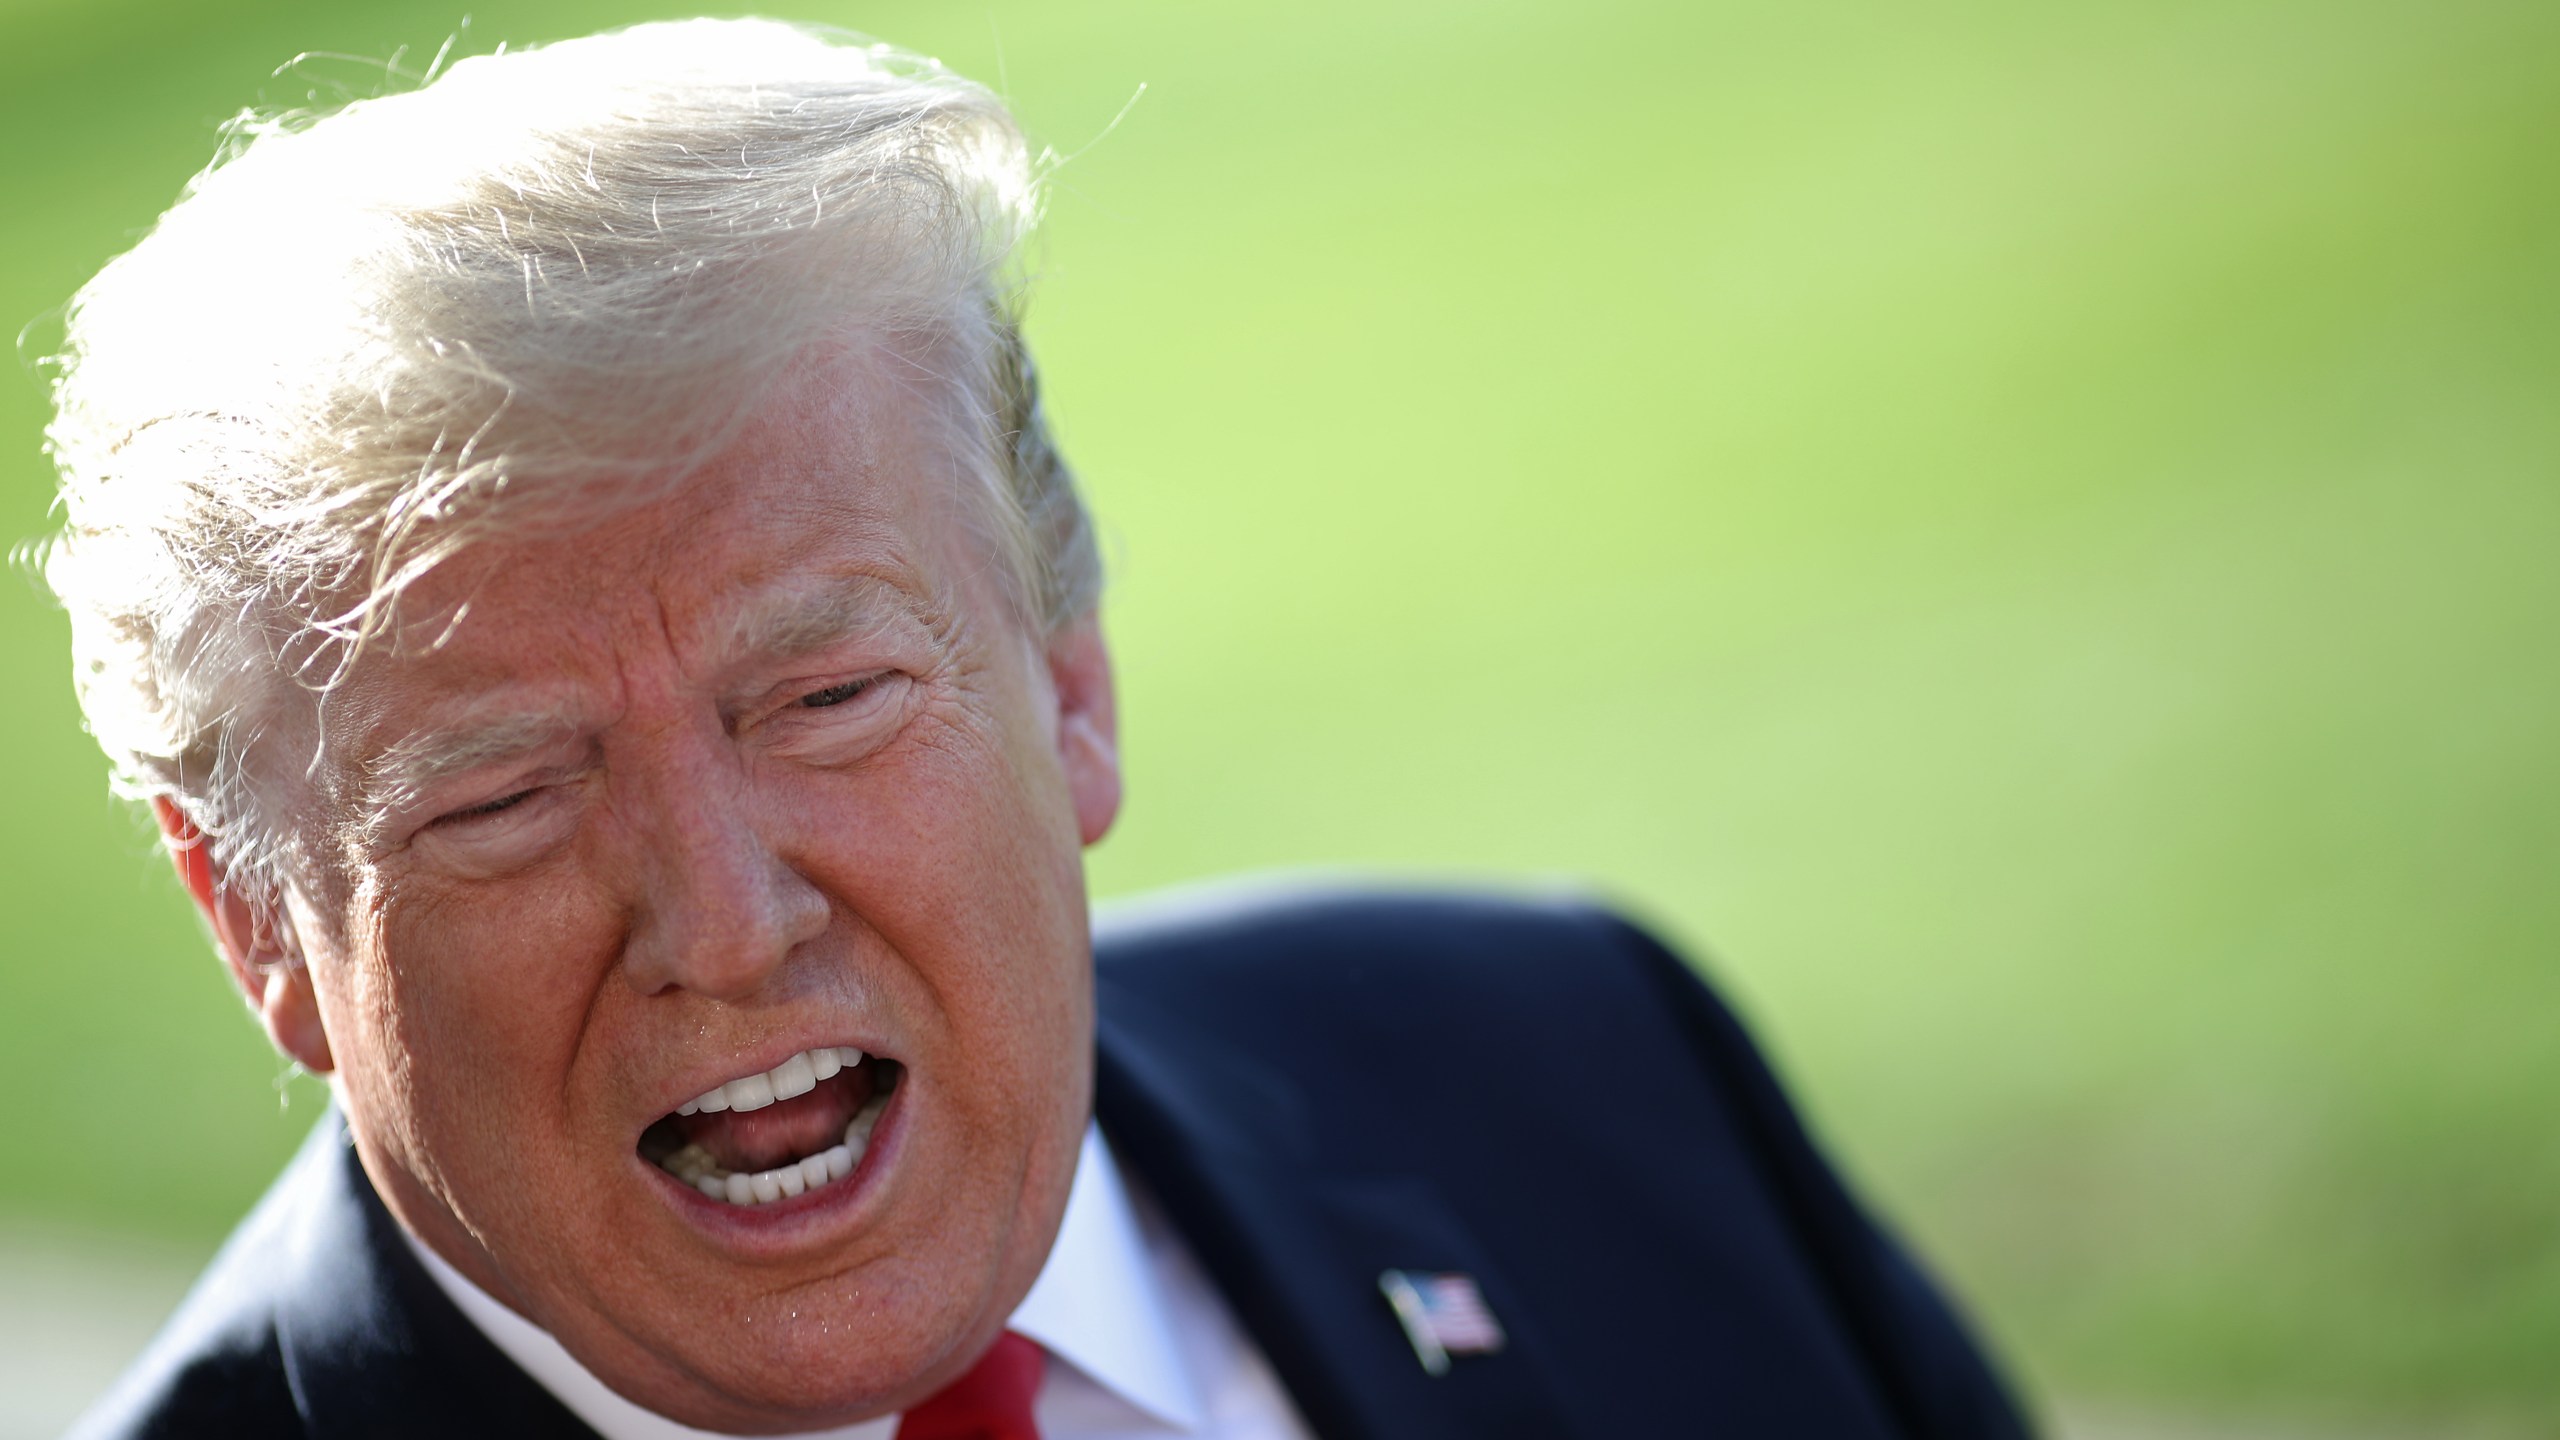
point(701, 1080)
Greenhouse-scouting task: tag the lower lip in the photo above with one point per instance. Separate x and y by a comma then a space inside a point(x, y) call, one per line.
point(786, 1224)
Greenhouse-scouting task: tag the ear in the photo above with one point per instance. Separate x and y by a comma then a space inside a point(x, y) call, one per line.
point(1088, 723)
point(258, 948)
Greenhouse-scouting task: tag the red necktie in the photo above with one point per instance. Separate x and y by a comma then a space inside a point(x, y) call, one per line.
point(991, 1402)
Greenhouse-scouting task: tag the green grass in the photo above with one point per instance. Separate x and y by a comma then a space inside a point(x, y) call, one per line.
point(2032, 531)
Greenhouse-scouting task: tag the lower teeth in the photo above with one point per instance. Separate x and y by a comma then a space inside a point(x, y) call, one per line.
point(694, 1166)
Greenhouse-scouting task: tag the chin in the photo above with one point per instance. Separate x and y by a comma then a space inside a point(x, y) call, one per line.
point(808, 1359)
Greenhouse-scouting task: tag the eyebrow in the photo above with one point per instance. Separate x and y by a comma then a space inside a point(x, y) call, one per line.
point(396, 777)
point(796, 622)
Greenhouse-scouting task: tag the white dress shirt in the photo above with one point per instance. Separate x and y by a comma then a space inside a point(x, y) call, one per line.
point(1141, 1346)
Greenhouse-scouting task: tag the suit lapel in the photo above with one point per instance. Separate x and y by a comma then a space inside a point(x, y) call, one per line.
point(370, 1347)
point(1226, 1144)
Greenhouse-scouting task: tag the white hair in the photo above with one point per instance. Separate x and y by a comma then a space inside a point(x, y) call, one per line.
point(537, 288)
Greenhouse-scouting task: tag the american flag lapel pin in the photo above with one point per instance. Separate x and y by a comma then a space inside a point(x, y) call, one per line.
point(1443, 1315)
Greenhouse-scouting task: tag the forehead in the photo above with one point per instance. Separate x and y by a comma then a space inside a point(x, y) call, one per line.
point(840, 507)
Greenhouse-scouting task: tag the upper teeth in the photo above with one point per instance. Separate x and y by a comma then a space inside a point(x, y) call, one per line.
point(793, 1077)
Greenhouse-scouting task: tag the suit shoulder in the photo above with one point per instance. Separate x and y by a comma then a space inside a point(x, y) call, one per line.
point(221, 1382)
point(1260, 945)
point(217, 1366)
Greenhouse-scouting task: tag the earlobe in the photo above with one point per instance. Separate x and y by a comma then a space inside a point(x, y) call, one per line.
point(1088, 724)
point(291, 1013)
point(256, 947)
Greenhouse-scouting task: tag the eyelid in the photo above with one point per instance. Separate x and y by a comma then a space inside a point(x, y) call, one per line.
point(801, 693)
point(520, 790)
point(489, 809)
point(797, 724)
point(495, 805)
point(850, 689)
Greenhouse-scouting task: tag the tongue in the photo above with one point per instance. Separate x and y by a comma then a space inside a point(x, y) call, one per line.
point(783, 1131)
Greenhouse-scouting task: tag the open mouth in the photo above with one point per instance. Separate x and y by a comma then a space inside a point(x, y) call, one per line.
point(779, 1133)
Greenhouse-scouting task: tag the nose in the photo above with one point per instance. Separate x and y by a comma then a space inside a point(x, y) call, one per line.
point(717, 905)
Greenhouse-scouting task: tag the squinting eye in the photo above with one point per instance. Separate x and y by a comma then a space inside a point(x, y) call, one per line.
point(503, 802)
point(837, 694)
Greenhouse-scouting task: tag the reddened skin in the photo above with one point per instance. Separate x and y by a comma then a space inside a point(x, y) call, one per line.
point(256, 945)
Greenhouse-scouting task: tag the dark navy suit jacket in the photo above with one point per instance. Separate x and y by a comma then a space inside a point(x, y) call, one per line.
point(1317, 1089)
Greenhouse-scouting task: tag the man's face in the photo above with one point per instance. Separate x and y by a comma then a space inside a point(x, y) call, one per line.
point(762, 770)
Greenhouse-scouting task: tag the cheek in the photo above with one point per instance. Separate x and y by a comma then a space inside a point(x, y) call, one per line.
point(957, 833)
point(960, 850)
point(484, 999)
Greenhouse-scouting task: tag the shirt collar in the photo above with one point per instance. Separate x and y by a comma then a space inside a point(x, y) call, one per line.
point(1098, 1305)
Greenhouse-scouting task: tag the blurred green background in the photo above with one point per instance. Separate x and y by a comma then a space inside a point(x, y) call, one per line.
point(2029, 535)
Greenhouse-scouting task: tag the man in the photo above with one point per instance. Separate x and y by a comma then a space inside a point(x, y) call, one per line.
point(573, 557)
